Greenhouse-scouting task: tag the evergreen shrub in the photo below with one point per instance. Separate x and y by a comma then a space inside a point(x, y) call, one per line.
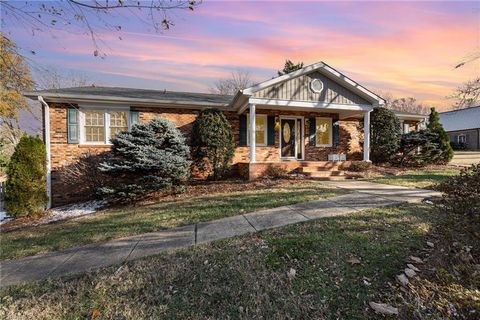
point(213, 143)
point(26, 187)
point(443, 140)
point(152, 157)
point(384, 135)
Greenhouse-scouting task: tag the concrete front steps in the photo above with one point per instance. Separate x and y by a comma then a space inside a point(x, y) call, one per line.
point(324, 170)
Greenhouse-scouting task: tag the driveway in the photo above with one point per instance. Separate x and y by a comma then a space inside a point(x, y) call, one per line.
point(465, 158)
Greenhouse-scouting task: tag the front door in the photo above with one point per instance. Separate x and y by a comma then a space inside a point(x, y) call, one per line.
point(288, 138)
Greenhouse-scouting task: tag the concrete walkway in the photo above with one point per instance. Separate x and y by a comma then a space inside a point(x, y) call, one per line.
point(116, 252)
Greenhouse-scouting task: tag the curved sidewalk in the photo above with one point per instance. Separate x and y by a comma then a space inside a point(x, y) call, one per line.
point(364, 195)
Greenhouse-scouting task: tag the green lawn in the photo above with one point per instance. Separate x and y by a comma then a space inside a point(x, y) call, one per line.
point(130, 220)
point(244, 277)
point(417, 178)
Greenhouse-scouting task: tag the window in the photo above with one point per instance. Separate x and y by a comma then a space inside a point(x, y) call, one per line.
point(323, 132)
point(461, 138)
point(260, 130)
point(99, 126)
point(118, 122)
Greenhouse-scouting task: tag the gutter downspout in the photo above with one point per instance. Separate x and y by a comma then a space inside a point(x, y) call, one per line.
point(46, 128)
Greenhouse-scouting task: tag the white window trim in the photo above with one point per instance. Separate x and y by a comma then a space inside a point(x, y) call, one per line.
point(464, 138)
point(265, 134)
point(106, 122)
point(330, 133)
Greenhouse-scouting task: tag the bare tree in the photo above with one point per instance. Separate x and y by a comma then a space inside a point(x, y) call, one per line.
point(89, 17)
point(467, 95)
point(53, 78)
point(408, 104)
point(238, 80)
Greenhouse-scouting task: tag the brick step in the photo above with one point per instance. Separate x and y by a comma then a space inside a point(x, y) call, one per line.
point(323, 164)
point(317, 169)
point(319, 174)
point(333, 178)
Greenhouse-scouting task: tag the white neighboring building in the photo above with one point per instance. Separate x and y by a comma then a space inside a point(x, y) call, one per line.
point(463, 127)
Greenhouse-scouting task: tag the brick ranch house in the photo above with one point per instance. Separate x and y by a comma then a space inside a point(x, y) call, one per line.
point(298, 121)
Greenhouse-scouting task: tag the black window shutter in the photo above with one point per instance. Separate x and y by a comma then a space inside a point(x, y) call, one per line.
point(243, 130)
point(311, 131)
point(336, 133)
point(72, 125)
point(271, 130)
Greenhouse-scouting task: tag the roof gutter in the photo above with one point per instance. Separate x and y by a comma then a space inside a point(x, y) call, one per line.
point(46, 138)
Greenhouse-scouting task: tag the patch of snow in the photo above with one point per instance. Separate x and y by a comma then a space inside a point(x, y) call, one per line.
point(72, 210)
point(4, 217)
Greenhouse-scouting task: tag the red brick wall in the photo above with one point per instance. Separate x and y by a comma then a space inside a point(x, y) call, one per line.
point(64, 154)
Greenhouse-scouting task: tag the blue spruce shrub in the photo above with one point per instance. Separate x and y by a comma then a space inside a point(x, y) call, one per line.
point(152, 157)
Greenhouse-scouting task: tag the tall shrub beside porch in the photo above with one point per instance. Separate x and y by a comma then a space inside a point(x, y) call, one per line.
point(213, 142)
point(384, 135)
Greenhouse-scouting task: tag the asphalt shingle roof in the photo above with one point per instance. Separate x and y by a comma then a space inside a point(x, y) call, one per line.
point(130, 93)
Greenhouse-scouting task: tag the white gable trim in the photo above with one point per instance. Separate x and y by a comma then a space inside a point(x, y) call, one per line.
point(327, 70)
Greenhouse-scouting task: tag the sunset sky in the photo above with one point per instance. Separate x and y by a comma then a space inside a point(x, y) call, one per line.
point(405, 48)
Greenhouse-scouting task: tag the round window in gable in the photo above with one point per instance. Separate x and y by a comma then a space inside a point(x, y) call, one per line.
point(316, 85)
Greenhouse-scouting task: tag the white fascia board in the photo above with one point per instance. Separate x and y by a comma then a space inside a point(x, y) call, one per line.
point(311, 105)
point(411, 117)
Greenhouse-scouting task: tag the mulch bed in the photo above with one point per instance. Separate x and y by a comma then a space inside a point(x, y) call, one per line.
point(202, 188)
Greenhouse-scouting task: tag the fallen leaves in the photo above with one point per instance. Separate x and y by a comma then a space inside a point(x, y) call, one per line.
point(416, 259)
point(291, 274)
point(353, 260)
point(383, 308)
point(410, 273)
point(402, 278)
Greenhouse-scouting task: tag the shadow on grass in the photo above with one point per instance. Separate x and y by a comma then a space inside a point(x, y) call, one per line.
point(246, 277)
point(133, 220)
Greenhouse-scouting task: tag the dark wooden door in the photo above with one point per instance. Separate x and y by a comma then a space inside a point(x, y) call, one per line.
point(288, 138)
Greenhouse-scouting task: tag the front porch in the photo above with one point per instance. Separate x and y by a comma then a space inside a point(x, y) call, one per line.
point(300, 139)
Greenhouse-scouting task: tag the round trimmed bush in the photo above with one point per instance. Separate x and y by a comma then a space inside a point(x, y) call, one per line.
point(384, 135)
point(26, 189)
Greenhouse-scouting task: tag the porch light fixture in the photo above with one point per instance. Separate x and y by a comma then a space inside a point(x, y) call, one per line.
point(277, 123)
point(316, 85)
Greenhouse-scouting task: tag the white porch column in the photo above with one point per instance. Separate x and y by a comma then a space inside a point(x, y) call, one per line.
point(252, 133)
point(366, 134)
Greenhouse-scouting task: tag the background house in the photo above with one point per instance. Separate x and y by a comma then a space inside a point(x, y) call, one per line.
point(463, 127)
